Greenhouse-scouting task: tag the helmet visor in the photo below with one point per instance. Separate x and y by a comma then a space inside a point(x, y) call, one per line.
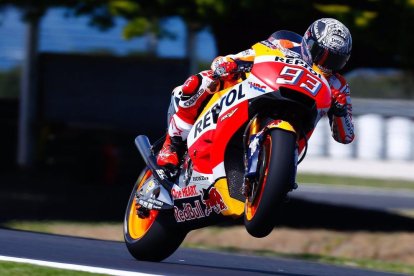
point(333, 61)
point(325, 58)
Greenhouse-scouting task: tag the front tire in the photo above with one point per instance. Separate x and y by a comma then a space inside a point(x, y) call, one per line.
point(153, 238)
point(277, 168)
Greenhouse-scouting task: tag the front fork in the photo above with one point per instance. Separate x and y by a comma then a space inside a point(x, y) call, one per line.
point(253, 141)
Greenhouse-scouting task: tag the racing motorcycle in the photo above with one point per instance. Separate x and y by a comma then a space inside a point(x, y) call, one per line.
point(242, 155)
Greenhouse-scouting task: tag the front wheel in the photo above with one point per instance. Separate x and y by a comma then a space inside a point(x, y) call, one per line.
point(276, 171)
point(153, 238)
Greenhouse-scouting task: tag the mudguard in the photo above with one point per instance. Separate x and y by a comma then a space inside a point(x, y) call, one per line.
point(253, 150)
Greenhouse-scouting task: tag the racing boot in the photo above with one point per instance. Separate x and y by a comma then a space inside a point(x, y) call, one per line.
point(171, 153)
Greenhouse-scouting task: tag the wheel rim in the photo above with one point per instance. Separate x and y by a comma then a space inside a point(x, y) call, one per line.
point(138, 227)
point(251, 207)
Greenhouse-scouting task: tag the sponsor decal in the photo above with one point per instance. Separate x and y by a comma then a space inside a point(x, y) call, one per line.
point(268, 44)
point(257, 86)
point(299, 62)
point(150, 186)
point(194, 98)
point(291, 53)
point(229, 99)
point(213, 201)
point(338, 42)
point(349, 125)
point(246, 53)
point(161, 174)
point(274, 124)
point(333, 35)
point(199, 178)
point(210, 202)
point(228, 115)
point(204, 123)
point(188, 212)
point(188, 191)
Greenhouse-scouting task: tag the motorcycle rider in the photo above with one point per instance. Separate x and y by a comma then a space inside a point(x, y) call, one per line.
point(326, 43)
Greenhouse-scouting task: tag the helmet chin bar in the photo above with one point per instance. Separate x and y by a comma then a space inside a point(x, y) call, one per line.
point(325, 70)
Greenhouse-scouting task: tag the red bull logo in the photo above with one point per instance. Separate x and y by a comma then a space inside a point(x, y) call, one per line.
point(188, 212)
point(213, 201)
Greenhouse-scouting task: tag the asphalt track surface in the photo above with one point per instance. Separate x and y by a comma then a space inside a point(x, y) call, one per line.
point(114, 255)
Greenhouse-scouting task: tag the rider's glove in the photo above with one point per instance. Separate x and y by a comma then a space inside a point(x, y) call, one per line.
point(339, 107)
point(223, 68)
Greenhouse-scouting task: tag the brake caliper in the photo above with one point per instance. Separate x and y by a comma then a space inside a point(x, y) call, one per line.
point(146, 198)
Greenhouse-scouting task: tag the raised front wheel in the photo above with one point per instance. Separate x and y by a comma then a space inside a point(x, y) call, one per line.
point(276, 172)
point(154, 237)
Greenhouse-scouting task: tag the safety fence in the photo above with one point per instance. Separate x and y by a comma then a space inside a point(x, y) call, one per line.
point(384, 130)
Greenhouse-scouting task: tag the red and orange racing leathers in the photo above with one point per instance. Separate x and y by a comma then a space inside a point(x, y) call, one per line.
point(197, 89)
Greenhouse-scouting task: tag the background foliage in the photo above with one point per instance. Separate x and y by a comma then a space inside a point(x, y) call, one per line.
point(381, 28)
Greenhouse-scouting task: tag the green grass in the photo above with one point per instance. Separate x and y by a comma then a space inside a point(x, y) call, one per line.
point(354, 181)
point(357, 263)
point(46, 226)
point(35, 226)
point(19, 269)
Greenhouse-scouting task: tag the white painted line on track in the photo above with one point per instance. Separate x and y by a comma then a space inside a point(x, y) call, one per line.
point(84, 268)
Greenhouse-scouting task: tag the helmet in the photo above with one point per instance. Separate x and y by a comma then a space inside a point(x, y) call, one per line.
point(327, 43)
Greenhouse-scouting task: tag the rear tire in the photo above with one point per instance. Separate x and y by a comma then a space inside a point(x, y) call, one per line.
point(154, 238)
point(277, 167)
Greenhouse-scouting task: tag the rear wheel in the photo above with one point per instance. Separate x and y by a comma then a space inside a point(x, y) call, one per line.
point(276, 171)
point(154, 237)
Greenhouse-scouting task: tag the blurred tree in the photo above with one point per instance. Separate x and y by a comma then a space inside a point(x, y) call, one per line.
point(380, 28)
